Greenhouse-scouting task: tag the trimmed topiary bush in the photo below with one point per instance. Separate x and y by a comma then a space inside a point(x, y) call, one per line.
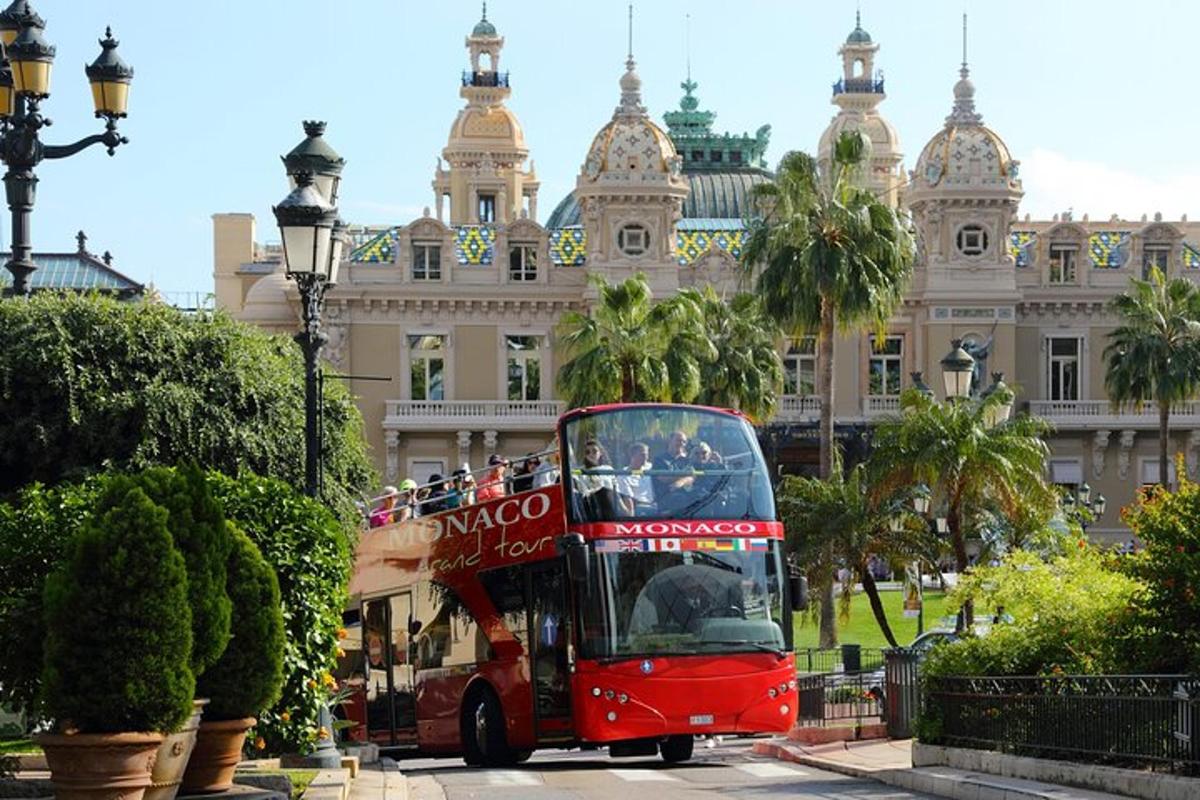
point(118, 627)
point(197, 525)
point(36, 529)
point(248, 676)
point(312, 557)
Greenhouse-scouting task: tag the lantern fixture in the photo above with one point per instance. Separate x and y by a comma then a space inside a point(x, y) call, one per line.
point(110, 77)
point(921, 500)
point(8, 95)
point(306, 224)
point(16, 16)
point(1099, 505)
point(943, 526)
point(314, 155)
point(1001, 409)
point(1085, 494)
point(31, 58)
point(957, 369)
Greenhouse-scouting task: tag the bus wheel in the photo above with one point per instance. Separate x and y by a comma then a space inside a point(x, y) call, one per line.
point(521, 756)
point(488, 732)
point(676, 749)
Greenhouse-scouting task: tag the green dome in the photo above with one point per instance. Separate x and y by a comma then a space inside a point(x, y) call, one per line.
point(485, 28)
point(858, 36)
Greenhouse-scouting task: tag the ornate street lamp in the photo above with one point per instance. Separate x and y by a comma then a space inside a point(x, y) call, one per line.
point(921, 498)
point(1082, 507)
point(1001, 410)
point(306, 221)
point(957, 369)
point(24, 84)
point(314, 155)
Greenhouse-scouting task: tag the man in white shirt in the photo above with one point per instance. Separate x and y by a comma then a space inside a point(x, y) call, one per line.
point(636, 490)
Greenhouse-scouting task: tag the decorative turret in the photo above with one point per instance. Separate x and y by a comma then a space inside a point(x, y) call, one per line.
point(691, 131)
point(858, 94)
point(485, 180)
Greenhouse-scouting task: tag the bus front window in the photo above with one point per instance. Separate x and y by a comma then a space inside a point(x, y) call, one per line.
point(686, 603)
point(665, 463)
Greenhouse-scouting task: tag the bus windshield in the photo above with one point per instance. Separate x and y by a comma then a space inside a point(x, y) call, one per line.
point(666, 463)
point(695, 602)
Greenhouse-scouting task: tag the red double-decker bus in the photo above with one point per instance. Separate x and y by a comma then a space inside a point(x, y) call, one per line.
point(639, 601)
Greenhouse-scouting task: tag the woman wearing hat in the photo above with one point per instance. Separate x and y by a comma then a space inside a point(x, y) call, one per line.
point(406, 502)
point(384, 515)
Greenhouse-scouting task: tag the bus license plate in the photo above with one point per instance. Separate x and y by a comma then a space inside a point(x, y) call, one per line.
point(701, 719)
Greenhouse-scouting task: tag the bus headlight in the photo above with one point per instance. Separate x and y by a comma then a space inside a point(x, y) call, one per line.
point(622, 698)
point(783, 709)
point(792, 684)
point(608, 695)
point(612, 716)
point(595, 691)
point(771, 693)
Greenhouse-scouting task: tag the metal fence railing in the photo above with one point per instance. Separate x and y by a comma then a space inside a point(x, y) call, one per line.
point(840, 697)
point(1141, 721)
point(847, 658)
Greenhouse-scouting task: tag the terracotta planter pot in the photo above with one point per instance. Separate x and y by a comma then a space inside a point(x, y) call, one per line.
point(218, 751)
point(173, 755)
point(100, 766)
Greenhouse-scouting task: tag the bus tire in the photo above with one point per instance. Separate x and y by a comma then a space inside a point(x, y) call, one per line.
point(485, 728)
point(675, 749)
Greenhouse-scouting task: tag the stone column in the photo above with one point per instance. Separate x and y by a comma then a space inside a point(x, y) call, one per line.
point(392, 470)
point(490, 439)
point(1099, 445)
point(463, 439)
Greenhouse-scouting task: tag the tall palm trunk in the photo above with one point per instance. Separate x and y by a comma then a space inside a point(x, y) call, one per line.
point(628, 385)
point(828, 627)
point(961, 562)
point(1164, 428)
point(868, 582)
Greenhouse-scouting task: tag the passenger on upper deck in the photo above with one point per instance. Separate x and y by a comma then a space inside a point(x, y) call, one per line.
point(635, 490)
point(492, 486)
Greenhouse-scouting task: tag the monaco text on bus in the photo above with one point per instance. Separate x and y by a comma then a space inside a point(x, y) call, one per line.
point(636, 600)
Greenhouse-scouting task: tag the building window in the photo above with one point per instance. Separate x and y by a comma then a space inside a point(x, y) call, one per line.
point(487, 208)
point(1062, 263)
point(427, 262)
point(884, 367)
point(524, 367)
point(697, 155)
point(1066, 474)
point(972, 240)
point(522, 262)
point(1063, 378)
point(1149, 471)
point(1155, 255)
point(633, 240)
point(717, 156)
point(427, 367)
point(800, 367)
point(735, 157)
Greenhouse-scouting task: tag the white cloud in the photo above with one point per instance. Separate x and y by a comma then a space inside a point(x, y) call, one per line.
point(1054, 183)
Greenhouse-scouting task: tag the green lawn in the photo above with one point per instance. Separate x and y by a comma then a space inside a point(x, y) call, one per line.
point(10, 747)
point(861, 628)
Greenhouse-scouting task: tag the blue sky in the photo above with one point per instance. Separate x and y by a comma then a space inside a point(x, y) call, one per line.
point(1094, 97)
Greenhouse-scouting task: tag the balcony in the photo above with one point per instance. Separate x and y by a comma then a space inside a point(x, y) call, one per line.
point(496, 415)
point(798, 408)
point(489, 80)
point(858, 86)
point(1099, 414)
point(878, 406)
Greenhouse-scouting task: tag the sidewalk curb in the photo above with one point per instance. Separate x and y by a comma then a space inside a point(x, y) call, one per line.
point(940, 781)
point(395, 784)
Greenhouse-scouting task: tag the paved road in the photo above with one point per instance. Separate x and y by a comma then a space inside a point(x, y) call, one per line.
point(727, 770)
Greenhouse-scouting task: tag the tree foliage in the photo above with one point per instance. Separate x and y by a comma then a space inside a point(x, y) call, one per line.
point(88, 382)
point(249, 674)
point(312, 557)
point(197, 526)
point(747, 373)
point(118, 627)
point(1153, 356)
point(629, 348)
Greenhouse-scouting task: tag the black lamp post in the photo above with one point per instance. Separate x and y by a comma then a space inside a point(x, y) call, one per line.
point(24, 84)
point(957, 369)
point(1082, 507)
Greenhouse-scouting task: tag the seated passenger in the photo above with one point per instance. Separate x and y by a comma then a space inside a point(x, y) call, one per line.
point(672, 492)
point(492, 485)
point(385, 514)
point(595, 460)
point(635, 490)
point(706, 460)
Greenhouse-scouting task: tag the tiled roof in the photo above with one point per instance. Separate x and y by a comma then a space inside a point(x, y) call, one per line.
point(75, 271)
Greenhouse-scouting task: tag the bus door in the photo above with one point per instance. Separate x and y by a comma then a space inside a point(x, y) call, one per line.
point(391, 704)
point(550, 635)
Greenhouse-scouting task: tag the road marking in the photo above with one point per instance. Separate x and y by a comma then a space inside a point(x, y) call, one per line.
point(512, 778)
point(762, 769)
point(642, 775)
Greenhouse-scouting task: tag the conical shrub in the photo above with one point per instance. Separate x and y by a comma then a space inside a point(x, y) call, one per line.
point(197, 525)
point(118, 626)
point(249, 675)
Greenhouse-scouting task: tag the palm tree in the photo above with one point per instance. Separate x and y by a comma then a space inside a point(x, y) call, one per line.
point(972, 466)
point(630, 349)
point(842, 521)
point(748, 372)
point(1154, 354)
point(828, 254)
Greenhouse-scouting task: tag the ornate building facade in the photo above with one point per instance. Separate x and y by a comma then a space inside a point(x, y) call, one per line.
point(457, 309)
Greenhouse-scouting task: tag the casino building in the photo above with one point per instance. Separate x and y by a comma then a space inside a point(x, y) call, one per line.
point(459, 306)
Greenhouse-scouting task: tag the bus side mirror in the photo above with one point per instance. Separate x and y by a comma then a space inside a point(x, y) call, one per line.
point(574, 548)
point(798, 584)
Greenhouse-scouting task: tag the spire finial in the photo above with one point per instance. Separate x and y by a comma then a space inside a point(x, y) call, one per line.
point(687, 44)
point(631, 31)
point(484, 11)
point(858, 15)
point(964, 112)
point(964, 61)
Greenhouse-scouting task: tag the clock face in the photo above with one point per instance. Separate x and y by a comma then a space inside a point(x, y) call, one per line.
point(933, 172)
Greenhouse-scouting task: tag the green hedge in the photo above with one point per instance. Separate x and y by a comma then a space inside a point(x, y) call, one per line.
point(87, 382)
point(118, 627)
point(248, 676)
point(312, 556)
